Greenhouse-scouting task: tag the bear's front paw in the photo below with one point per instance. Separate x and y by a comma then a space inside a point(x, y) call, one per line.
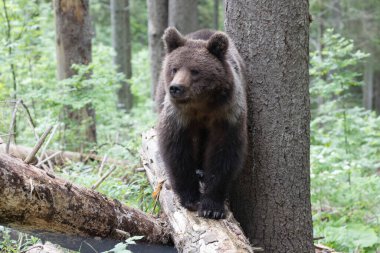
point(211, 209)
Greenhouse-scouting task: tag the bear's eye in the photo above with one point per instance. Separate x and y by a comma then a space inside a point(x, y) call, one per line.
point(194, 72)
point(174, 70)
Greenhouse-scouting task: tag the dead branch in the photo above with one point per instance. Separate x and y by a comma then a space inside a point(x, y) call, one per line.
point(12, 126)
point(30, 119)
point(37, 147)
point(100, 171)
point(64, 156)
point(43, 150)
point(48, 158)
point(113, 167)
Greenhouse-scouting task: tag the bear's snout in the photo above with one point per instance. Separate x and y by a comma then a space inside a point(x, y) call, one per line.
point(177, 91)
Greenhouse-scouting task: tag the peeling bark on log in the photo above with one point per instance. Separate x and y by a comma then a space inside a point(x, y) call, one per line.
point(35, 202)
point(190, 232)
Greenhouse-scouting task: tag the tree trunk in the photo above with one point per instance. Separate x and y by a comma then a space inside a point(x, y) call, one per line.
point(121, 41)
point(183, 15)
point(368, 86)
point(216, 15)
point(37, 202)
point(190, 232)
point(336, 15)
point(73, 38)
point(157, 23)
point(376, 87)
point(272, 197)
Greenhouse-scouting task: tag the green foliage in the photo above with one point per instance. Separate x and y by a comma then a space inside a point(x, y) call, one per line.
point(331, 71)
point(345, 152)
point(124, 184)
point(119, 134)
point(206, 14)
point(16, 243)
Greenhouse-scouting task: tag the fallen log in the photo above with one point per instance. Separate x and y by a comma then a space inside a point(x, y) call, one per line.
point(190, 233)
point(62, 157)
point(37, 202)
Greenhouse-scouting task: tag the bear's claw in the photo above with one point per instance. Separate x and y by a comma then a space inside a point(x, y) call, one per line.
point(211, 209)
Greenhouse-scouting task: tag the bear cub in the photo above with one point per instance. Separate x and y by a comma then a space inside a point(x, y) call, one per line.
point(202, 118)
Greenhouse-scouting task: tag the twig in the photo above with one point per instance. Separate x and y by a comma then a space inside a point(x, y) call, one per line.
point(28, 113)
point(89, 245)
point(11, 130)
point(48, 158)
point(113, 167)
point(123, 233)
point(48, 140)
point(33, 247)
point(37, 147)
point(102, 164)
point(43, 151)
point(30, 119)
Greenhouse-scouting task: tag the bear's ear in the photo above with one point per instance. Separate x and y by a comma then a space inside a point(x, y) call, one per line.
point(173, 39)
point(218, 44)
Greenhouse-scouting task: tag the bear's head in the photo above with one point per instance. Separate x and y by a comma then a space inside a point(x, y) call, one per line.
point(196, 72)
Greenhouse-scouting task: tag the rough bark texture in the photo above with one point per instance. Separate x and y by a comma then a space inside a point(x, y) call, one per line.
point(371, 87)
point(216, 15)
point(376, 95)
point(36, 202)
point(190, 232)
point(368, 86)
point(157, 22)
point(121, 41)
point(73, 46)
point(183, 15)
point(272, 196)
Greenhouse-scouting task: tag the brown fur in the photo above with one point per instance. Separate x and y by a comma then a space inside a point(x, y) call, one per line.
point(202, 123)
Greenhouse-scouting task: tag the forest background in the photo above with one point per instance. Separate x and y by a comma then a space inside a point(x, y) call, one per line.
point(345, 92)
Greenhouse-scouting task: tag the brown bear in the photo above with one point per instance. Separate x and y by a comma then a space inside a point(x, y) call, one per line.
point(202, 109)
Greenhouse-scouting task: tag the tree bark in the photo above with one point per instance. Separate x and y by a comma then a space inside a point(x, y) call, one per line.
point(39, 203)
point(337, 16)
point(121, 41)
point(272, 197)
point(190, 232)
point(368, 87)
point(183, 15)
point(73, 46)
point(376, 87)
point(216, 15)
point(157, 23)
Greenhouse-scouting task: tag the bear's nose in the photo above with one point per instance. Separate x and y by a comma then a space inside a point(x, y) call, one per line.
point(176, 90)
